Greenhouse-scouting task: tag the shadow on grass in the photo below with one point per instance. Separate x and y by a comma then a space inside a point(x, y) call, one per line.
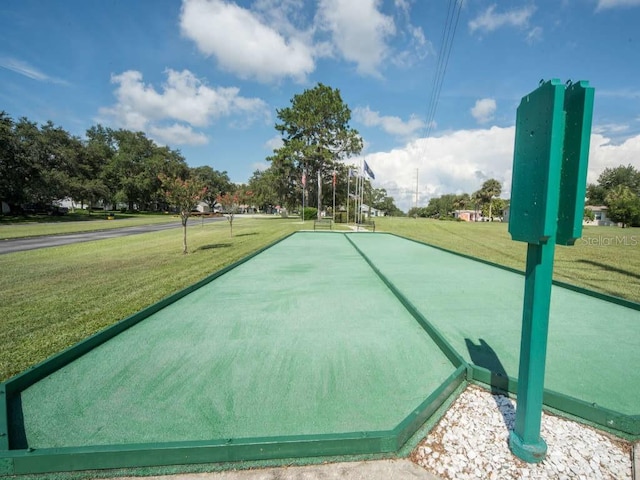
point(213, 246)
point(71, 217)
point(484, 356)
point(610, 268)
point(245, 234)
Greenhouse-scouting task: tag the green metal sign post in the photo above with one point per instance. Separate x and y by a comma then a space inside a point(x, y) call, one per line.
point(553, 127)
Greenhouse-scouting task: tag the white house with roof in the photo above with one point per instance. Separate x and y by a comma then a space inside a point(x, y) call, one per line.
point(370, 211)
point(600, 217)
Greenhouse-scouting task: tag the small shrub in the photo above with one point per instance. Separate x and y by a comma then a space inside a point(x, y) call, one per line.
point(341, 217)
point(310, 213)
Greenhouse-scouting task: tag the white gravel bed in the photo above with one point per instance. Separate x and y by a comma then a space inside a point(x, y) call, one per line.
point(471, 442)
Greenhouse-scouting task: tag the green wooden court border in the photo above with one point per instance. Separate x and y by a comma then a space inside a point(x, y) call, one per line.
point(625, 426)
point(32, 461)
point(35, 461)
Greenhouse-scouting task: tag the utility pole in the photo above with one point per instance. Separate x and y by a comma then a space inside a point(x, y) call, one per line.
point(416, 205)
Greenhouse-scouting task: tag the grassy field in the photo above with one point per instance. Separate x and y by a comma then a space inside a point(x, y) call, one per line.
point(19, 227)
point(605, 259)
point(54, 297)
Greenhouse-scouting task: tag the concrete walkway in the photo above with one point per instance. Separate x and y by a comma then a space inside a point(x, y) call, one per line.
point(372, 470)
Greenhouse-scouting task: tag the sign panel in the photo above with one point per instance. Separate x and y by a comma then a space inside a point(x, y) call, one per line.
point(536, 164)
point(578, 105)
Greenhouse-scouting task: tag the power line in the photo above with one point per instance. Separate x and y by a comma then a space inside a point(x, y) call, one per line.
point(446, 43)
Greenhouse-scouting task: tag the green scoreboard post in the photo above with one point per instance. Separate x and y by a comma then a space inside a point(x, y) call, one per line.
point(553, 127)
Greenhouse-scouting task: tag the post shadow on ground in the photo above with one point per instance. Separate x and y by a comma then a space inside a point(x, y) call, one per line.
point(482, 355)
point(610, 268)
point(214, 245)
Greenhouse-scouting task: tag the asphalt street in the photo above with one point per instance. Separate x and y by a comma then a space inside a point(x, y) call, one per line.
point(32, 243)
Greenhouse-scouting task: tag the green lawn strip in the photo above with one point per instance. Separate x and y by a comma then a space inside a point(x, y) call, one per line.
point(52, 298)
point(605, 259)
point(56, 226)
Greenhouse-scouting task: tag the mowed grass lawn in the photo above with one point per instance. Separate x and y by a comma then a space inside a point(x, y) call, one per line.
point(74, 223)
point(55, 297)
point(605, 259)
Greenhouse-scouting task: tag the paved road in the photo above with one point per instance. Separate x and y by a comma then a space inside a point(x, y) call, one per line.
point(32, 243)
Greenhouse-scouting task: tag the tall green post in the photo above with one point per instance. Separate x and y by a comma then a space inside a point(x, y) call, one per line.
point(553, 127)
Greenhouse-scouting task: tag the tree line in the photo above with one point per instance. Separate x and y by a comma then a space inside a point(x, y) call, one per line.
point(619, 190)
point(43, 164)
point(484, 201)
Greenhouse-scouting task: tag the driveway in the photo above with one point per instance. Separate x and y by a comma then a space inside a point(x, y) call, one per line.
point(32, 243)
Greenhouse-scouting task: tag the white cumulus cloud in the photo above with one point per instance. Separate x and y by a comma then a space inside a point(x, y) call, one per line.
point(359, 31)
point(484, 109)
point(460, 161)
point(177, 134)
point(184, 101)
point(390, 124)
point(243, 44)
point(605, 154)
point(272, 40)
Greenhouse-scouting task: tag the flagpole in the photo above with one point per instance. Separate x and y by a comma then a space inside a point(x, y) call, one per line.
point(319, 195)
point(304, 184)
point(333, 212)
point(359, 199)
point(348, 193)
point(355, 200)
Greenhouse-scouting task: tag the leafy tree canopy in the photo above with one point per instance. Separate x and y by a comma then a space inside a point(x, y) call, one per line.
point(316, 135)
point(624, 205)
point(610, 178)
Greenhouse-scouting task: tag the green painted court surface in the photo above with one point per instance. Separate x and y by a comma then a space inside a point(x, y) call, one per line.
point(593, 351)
point(306, 339)
point(302, 339)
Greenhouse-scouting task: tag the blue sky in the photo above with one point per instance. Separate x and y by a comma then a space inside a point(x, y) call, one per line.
point(206, 76)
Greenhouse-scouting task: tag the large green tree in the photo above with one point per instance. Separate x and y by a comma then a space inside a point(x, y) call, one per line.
point(264, 185)
point(610, 178)
point(316, 136)
point(489, 190)
point(12, 171)
point(48, 158)
point(217, 183)
point(379, 199)
point(624, 205)
point(132, 171)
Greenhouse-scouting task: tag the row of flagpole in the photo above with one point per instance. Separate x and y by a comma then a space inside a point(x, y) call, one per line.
point(359, 174)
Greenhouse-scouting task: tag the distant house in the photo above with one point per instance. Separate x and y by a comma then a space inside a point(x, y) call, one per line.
point(468, 215)
point(203, 207)
point(370, 211)
point(600, 216)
